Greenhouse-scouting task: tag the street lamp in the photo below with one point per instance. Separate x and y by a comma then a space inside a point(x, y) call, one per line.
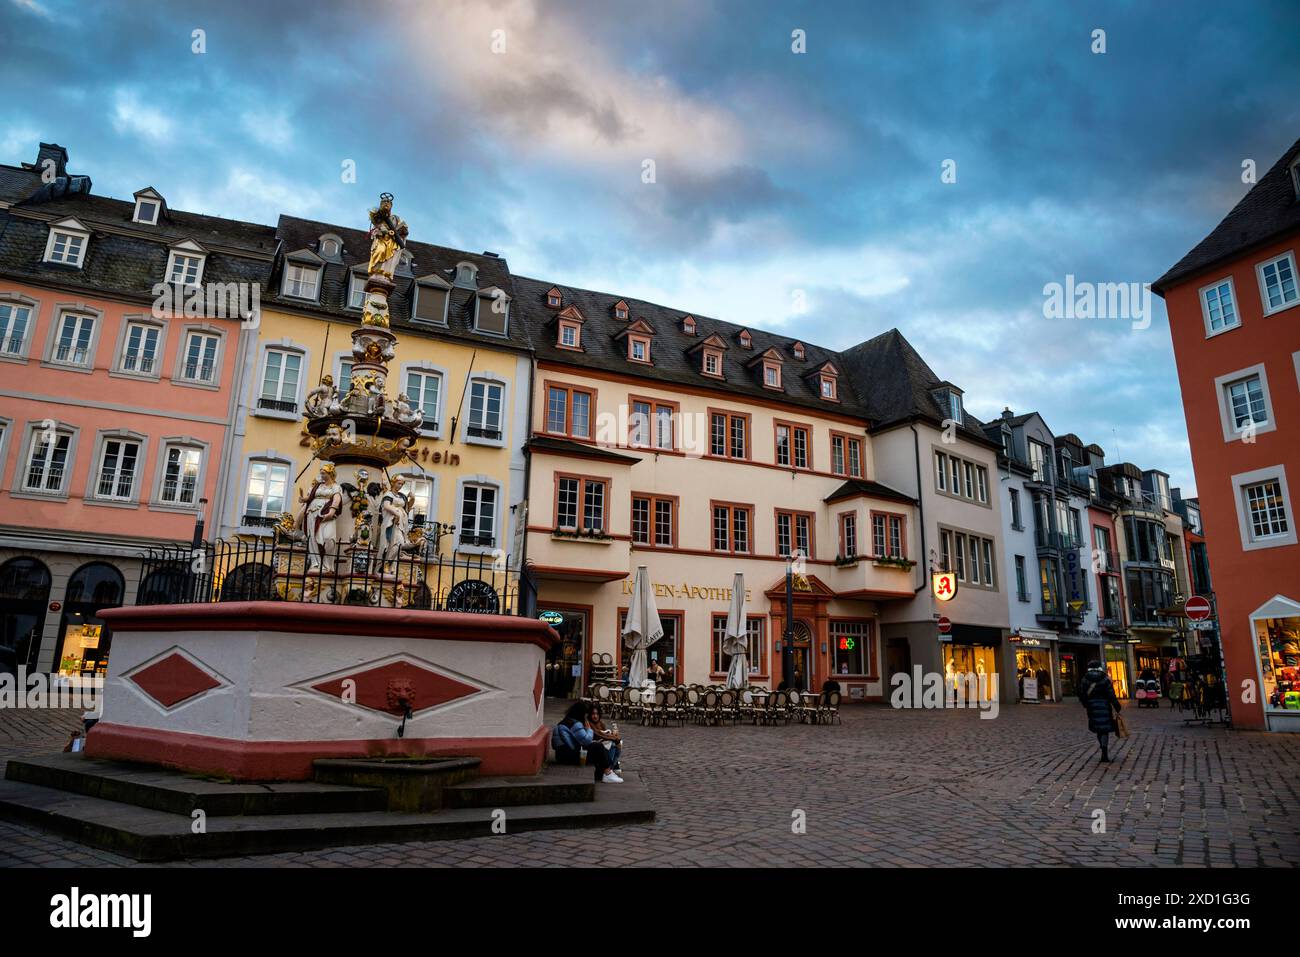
point(198, 523)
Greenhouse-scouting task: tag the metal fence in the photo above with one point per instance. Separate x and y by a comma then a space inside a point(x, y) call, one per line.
point(340, 574)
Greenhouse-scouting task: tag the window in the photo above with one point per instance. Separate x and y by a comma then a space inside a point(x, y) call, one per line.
point(146, 211)
point(357, 292)
point(746, 340)
point(265, 496)
point(941, 471)
point(14, 320)
point(1246, 403)
point(792, 446)
point(1015, 510)
point(849, 535)
point(76, 333)
point(1038, 460)
point(580, 497)
point(1277, 283)
point(117, 467)
point(960, 541)
point(421, 490)
point(653, 520)
point(568, 411)
point(200, 357)
point(1101, 542)
point(955, 473)
point(1022, 582)
point(652, 424)
point(712, 362)
point(982, 483)
point(987, 549)
point(140, 351)
point(850, 647)
point(667, 650)
point(184, 269)
point(466, 275)
point(478, 515)
point(945, 550)
point(797, 349)
point(828, 388)
point(485, 400)
point(620, 310)
point(280, 381)
point(731, 525)
point(424, 390)
point(794, 534)
point(887, 535)
point(771, 375)
point(553, 298)
point(845, 455)
point(569, 335)
point(431, 303)
point(755, 656)
point(344, 383)
point(638, 348)
point(68, 248)
point(1266, 510)
point(970, 476)
point(47, 462)
point(180, 475)
point(729, 435)
point(301, 280)
point(329, 247)
point(1218, 307)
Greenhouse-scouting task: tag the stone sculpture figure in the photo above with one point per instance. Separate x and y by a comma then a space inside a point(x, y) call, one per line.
point(394, 522)
point(321, 398)
point(323, 502)
point(406, 414)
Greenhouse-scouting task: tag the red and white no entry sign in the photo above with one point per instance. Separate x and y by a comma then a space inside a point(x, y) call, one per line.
point(1197, 608)
point(945, 625)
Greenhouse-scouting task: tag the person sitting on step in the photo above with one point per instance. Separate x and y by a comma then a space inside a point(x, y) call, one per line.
point(574, 735)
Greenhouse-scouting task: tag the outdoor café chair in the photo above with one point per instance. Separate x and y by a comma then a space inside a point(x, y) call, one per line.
point(830, 708)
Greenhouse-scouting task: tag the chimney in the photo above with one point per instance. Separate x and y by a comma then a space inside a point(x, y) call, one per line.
point(1006, 413)
point(53, 152)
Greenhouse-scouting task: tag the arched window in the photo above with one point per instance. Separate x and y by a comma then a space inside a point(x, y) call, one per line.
point(96, 583)
point(172, 584)
point(24, 596)
point(251, 581)
point(24, 579)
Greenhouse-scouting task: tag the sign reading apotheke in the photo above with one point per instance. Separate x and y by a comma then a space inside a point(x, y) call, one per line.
point(687, 590)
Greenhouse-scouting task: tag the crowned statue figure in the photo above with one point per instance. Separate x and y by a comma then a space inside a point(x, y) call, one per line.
point(322, 505)
point(387, 237)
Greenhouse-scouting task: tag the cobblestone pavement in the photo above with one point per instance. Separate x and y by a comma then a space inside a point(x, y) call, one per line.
point(886, 788)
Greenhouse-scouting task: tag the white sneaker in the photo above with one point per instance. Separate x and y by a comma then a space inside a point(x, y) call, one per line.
point(612, 778)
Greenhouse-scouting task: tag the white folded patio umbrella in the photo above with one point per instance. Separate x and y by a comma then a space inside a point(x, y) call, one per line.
point(643, 627)
point(735, 640)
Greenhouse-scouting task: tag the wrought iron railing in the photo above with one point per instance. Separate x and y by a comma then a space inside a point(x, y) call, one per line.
point(339, 574)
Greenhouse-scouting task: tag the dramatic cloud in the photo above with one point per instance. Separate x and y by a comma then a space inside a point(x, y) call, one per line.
point(800, 191)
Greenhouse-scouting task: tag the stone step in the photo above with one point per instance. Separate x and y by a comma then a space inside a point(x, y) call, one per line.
point(146, 834)
point(553, 787)
point(174, 792)
point(410, 784)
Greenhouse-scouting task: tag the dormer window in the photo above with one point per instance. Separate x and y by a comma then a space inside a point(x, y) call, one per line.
point(1295, 176)
point(431, 295)
point(148, 207)
point(493, 313)
point(330, 246)
point(621, 310)
point(466, 275)
point(710, 351)
point(712, 362)
point(688, 325)
point(638, 348)
point(185, 264)
point(570, 336)
point(798, 351)
point(771, 375)
point(828, 388)
point(553, 298)
point(746, 340)
point(67, 243)
point(949, 399)
point(301, 280)
point(828, 378)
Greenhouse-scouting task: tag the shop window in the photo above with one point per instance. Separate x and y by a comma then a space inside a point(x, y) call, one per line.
point(24, 600)
point(970, 673)
point(663, 658)
point(850, 647)
point(756, 653)
point(85, 639)
point(1278, 645)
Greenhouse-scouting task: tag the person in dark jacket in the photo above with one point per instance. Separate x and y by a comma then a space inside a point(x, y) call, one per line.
point(1097, 694)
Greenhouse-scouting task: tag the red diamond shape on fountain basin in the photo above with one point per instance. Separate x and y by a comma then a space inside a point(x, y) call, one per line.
point(174, 679)
point(537, 689)
point(380, 688)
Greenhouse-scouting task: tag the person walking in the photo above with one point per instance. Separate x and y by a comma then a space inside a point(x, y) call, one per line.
point(1097, 695)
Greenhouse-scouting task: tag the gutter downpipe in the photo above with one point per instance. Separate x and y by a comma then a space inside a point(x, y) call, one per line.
point(920, 512)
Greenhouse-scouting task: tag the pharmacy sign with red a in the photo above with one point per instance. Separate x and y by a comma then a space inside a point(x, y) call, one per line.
point(944, 585)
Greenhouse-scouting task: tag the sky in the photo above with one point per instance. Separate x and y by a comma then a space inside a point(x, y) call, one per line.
point(826, 170)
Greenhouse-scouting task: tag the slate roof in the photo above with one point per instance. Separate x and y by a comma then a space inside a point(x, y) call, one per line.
point(670, 349)
point(124, 265)
point(896, 384)
point(546, 443)
point(1267, 211)
point(17, 184)
point(867, 487)
point(297, 234)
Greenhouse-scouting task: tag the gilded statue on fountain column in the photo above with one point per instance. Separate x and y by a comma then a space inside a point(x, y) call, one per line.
point(387, 237)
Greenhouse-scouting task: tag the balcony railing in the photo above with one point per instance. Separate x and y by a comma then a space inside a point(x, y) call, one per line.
point(260, 521)
point(76, 355)
point(480, 541)
point(12, 345)
point(479, 432)
point(277, 405)
point(137, 363)
point(1065, 541)
point(199, 372)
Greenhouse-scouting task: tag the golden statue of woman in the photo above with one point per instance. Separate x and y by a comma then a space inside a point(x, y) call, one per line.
point(387, 237)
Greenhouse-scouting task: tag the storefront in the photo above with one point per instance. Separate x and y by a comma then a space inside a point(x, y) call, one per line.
point(1035, 664)
point(85, 640)
point(1117, 666)
point(971, 656)
point(567, 659)
point(24, 600)
point(1276, 628)
point(1074, 650)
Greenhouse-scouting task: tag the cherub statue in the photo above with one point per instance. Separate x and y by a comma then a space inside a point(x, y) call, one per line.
point(406, 414)
point(286, 529)
point(320, 398)
point(375, 399)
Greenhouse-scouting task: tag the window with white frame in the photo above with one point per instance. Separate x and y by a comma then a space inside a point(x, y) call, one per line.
point(1277, 283)
point(478, 515)
point(66, 247)
point(146, 211)
point(47, 461)
point(485, 400)
point(301, 280)
point(140, 348)
point(184, 268)
point(580, 499)
point(14, 321)
point(1219, 307)
point(180, 478)
point(569, 334)
point(1265, 510)
point(1246, 402)
point(118, 462)
point(76, 333)
point(755, 658)
point(200, 361)
point(280, 378)
point(424, 390)
point(356, 290)
point(421, 492)
point(266, 492)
